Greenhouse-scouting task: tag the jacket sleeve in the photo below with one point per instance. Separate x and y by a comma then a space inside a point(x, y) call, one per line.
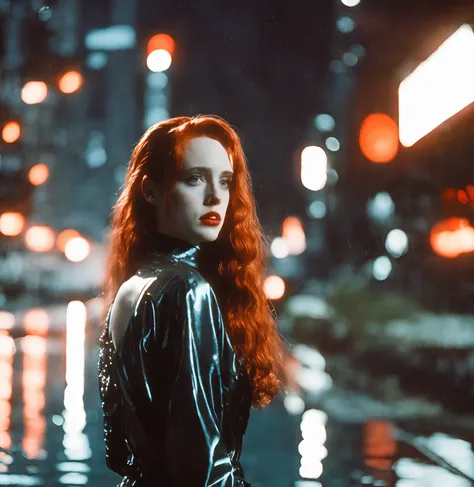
point(195, 448)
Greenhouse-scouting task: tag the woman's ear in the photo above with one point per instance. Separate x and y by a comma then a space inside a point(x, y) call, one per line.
point(149, 190)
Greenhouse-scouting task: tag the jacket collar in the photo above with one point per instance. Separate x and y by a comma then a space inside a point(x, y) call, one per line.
point(178, 250)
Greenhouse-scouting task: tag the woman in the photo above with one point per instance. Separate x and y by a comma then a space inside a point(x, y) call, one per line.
point(190, 343)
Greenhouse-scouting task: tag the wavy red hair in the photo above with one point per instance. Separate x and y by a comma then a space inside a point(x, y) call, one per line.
point(234, 264)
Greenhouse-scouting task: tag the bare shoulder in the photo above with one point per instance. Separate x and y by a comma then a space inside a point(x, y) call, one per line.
point(125, 303)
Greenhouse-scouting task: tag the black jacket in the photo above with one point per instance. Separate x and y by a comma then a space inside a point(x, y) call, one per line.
point(175, 397)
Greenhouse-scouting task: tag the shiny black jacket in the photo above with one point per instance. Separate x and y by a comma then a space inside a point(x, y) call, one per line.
point(175, 397)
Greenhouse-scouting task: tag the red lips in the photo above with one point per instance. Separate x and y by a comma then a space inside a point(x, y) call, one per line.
point(212, 219)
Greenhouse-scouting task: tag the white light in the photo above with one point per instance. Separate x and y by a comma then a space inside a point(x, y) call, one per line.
point(345, 24)
point(396, 242)
point(159, 60)
point(279, 248)
point(77, 249)
point(314, 163)
point(317, 209)
point(34, 92)
point(350, 3)
point(381, 207)
point(439, 87)
point(75, 441)
point(324, 122)
point(293, 403)
point(350, 59)
point(333, 144)
point(382, 268)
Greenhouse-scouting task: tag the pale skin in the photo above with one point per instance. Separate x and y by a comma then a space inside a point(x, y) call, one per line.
point(203, 185)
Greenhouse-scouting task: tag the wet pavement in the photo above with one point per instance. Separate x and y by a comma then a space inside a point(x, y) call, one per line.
point(51, 430)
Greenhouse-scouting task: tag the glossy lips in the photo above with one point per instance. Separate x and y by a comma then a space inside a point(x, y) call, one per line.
point(211, 218)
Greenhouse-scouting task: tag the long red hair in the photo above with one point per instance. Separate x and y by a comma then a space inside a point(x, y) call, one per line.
point(234, 264)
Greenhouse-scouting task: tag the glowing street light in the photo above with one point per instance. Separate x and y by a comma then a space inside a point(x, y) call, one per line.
point(34, 92)
point(160, 51)
point(274, 287)
point(12, 223)
point(350, 3)
point(439, 87)
point(70, 82)
point(77, 249)
point(314, 165)
point(40, 238)
point(38, 174)
point(11, 132)
point(378, 138)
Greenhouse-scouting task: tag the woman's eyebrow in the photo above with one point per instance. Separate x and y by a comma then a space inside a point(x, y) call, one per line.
point(209, 170)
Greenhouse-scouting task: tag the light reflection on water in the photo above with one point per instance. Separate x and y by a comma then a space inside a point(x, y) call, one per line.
point(33, 384)
point(75, 441)
point(7, 351)
point(311, 448)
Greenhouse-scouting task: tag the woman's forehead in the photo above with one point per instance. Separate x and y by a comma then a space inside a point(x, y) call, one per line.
point(205, 152)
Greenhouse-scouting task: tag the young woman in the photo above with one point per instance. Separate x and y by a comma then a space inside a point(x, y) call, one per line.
point(190, 342)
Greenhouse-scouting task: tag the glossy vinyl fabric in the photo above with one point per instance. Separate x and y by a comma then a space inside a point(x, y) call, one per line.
point(175, 398)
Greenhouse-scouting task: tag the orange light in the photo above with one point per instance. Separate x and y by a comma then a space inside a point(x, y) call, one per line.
point(449, 194)
point(36, 321)
point(40, 238)
point(33, 382)
point(38, 174)
point(34, 92)
point(452, 237)
point(274, 287)
point(64, 237)
point(378, 138)
point(11, 132)
point(470, 191)
point(161, 42)
point(293, 233)
point(463, 197)
point(70, 82)
point(12, 223)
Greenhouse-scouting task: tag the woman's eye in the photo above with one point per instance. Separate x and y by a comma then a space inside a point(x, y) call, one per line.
point(225, 183)
point(194, 179)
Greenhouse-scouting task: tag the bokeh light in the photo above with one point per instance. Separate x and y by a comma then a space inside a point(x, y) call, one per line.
point(77, 249)
point(7, 320)
point(274, 287)
point(350, 3)
point(314, 163)
point(382, 268)
point(36, 321)
point(159, 60)
point(378, 138)
point(161, 42)
point(70, 82)
point(293, 232)
point(11, 132)
point(64, 237)
point(279, 248)
point(38, 174)
point(12, 223)
point(452, 237)
point(40, 238)
point(34, 92)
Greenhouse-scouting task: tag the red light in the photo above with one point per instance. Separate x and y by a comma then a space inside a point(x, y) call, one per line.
point(378, 138)
point(161, 41)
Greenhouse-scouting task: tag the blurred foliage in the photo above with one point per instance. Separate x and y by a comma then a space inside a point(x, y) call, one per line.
point(362, 305)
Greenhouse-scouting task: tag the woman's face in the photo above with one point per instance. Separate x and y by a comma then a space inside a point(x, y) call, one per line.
point(202, 186)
